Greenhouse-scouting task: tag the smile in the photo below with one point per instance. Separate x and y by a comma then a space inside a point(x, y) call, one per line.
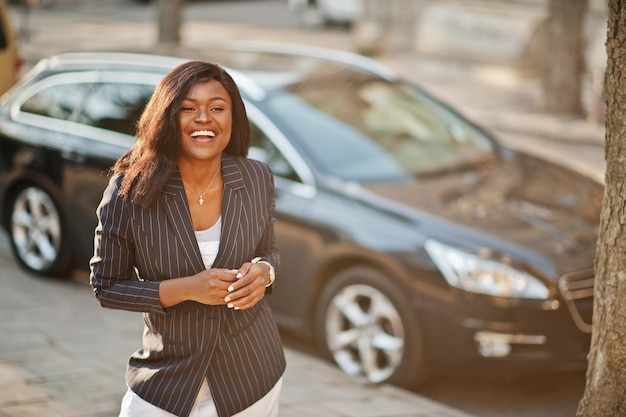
point(208, 133)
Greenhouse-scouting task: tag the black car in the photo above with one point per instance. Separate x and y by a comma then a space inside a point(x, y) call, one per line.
point(412, 241)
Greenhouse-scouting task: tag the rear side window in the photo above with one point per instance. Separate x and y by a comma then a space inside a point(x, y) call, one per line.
point(59, 102)
point(111, 106)
point(115, 106)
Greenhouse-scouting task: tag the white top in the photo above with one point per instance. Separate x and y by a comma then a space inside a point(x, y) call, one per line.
point(209, 242)
point(135, 406)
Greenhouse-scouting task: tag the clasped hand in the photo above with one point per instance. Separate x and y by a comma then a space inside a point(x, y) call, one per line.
point(237, 288)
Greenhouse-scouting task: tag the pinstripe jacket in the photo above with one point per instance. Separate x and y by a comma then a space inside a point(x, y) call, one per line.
point(238, 351)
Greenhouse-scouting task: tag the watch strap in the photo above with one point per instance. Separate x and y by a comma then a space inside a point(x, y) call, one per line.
point(272, 273)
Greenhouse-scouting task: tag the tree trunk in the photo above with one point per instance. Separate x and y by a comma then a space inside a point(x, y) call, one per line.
point(564, 62)
point(169, 18)
point(605, 391)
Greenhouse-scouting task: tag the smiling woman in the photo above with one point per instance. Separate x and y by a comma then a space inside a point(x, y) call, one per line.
point(190, 265)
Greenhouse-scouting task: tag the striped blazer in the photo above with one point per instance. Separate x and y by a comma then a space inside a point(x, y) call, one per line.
point(239, 352)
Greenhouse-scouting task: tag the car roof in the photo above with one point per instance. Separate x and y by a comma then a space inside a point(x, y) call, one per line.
point(85, 60)
point(312, 52)
point(234, 56)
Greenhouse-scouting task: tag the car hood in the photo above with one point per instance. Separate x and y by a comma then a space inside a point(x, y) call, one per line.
point(544, 207)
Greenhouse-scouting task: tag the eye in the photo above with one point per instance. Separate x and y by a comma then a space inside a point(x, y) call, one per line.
point(217, 109)
point(187, 109)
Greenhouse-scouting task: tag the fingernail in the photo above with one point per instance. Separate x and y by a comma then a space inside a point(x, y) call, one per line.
point(227, 299)
point(239, 275)
point(230, 305)
point(231, 289)
point(236, 308)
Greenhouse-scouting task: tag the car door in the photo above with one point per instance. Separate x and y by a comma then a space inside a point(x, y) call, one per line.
point(107, 122)
point(295, 189)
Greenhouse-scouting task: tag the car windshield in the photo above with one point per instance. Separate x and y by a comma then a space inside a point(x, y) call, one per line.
point(360, 127)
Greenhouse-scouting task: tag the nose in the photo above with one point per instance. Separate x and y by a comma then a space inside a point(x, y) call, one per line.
point(203, 115)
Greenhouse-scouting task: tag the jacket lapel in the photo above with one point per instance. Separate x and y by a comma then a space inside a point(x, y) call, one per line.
point(176, 208)
point(232, 208)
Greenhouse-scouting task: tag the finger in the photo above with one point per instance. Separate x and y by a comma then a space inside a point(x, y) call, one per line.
point(244, 298)
point(244, 303)
point(243, 270)
point(228, 274)
point(245, 306)
point(242, 279)
point(225, 276)
point(247, 283)
point(237, 294)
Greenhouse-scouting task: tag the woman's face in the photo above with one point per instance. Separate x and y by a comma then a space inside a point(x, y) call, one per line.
point(206, 120)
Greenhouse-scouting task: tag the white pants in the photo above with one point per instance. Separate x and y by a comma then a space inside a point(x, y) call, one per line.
point(135, 406)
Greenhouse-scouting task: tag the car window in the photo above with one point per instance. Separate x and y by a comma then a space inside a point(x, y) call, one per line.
point(115, 106)
point(59, 101)
point(262, 148)
point(364, 128)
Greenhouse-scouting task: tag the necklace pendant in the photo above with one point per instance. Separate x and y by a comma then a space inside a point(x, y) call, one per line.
point(201, 200)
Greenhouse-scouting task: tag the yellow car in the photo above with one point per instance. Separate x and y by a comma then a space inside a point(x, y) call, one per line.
point(10, 60)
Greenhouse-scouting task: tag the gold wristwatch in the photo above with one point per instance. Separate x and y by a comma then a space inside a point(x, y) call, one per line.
point(259, 260)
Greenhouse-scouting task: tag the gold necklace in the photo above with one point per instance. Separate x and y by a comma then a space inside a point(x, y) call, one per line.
point(201, 200)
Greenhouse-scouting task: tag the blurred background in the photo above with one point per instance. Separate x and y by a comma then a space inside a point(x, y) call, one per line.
point(555, 43)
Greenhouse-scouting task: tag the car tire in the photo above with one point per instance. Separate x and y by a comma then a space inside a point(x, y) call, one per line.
point(366, 326)
point(36, 232)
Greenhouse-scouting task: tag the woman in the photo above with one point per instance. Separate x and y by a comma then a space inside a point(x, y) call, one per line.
point(185, 235)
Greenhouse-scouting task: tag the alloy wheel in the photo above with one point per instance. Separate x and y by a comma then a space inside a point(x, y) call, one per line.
point(364, 332)
point(36, 229)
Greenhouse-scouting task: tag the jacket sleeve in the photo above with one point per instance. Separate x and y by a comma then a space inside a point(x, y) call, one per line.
point(112, 271)
point(267, 248)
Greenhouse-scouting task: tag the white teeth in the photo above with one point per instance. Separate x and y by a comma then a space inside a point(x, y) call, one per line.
point(208, 133)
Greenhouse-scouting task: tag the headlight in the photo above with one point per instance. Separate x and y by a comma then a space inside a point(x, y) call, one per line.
point(485, 276)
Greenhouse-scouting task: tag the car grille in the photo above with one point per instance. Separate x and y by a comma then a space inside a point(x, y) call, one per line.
point(577, 291)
